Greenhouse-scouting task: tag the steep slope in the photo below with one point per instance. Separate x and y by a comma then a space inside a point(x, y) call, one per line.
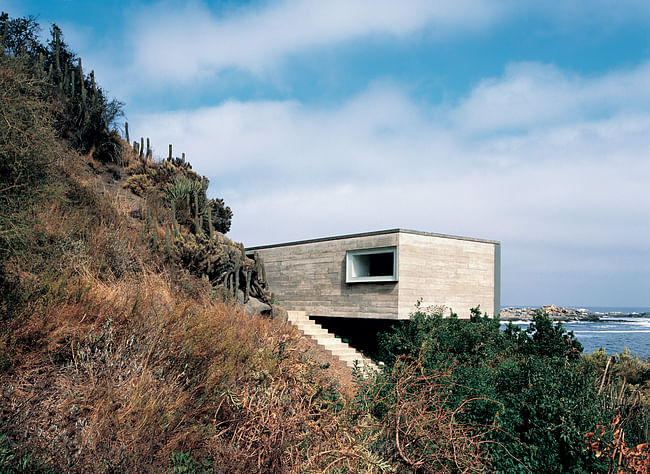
point(124, 345)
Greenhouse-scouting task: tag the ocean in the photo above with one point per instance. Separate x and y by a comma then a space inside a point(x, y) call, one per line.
point(612, 333)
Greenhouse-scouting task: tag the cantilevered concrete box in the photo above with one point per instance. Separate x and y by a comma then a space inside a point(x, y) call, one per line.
point(383, 274)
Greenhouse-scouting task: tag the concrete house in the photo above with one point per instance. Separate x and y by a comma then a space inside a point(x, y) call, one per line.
point(381, 275)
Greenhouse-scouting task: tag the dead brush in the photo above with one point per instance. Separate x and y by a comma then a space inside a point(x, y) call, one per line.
point(134, 371)
point(426, 434)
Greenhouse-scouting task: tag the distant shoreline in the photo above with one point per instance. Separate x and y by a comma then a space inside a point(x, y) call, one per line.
point(560, 313)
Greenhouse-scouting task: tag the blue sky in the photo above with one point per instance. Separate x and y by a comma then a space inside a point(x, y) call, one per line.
point(523, 122)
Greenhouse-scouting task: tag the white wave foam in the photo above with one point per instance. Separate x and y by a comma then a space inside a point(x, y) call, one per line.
point(631, 331)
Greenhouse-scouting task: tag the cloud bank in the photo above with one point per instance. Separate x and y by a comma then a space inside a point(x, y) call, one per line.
point(551, 163)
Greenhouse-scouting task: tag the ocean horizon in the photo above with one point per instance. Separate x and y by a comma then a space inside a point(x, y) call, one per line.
point(612, 333)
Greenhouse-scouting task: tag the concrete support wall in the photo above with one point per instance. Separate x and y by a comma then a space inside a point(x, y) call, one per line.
point(457, 273)
point(311, 277)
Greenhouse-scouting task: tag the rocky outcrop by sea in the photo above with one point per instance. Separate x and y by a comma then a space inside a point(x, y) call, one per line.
point(559, 313)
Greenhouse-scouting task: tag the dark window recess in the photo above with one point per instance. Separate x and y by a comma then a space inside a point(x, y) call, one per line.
point(377, 264)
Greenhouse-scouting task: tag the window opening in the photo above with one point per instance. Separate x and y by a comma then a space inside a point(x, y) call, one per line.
point(371, 265)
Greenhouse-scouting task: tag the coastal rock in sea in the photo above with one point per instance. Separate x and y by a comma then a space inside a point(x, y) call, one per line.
point(556, 313)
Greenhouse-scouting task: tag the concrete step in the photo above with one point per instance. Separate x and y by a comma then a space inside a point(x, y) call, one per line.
point(342, 352)
point(312, 330)
point(297, 316)
point(334, 345)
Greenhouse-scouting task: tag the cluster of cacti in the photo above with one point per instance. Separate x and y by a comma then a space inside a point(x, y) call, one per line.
point(202, 249)
point(224, 263)
point(192, 235)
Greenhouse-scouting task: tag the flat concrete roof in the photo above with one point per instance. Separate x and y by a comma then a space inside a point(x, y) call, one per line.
point(377, 232)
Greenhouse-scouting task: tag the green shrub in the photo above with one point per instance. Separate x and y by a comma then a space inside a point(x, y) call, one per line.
point(529, 384)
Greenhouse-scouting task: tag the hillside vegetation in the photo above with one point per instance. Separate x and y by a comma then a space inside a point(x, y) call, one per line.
point(131, 338)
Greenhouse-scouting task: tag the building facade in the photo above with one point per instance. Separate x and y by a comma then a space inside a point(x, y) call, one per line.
point(384, 274)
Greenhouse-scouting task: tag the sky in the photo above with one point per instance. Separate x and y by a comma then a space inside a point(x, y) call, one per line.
point(518, 121)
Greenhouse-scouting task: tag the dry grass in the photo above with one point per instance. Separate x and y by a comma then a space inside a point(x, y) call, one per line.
point(130, 373)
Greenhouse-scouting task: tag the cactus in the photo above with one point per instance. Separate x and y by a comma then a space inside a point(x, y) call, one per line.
point(135, 147)
point(147, 224)
point(154, 236)
point(170, 152)
point(181, 188)
point(5, 28)
point(197, 220)
point(174, 223)
point(168, 247)
point(141, 147)
point(93, 84)
point(72, 91)
point(126, 131)
point(66, 79)
point(40, 64)
point(210, 226)
point(82, 84)
point(57, 51)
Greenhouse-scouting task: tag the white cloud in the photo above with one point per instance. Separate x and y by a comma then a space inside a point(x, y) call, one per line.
point(533, 95)
point(570, 176)
point(181, 44)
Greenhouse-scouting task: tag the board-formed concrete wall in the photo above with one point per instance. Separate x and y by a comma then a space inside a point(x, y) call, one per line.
point(310, 276)
point(455, 272)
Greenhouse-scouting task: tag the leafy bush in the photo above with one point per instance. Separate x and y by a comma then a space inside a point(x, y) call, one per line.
point(529, 386)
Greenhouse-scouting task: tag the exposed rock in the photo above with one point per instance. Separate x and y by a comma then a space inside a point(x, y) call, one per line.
point(556, 313)
point(559, 313)
point(254, 306)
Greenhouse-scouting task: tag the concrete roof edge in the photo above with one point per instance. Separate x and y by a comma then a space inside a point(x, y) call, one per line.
point(369, 234)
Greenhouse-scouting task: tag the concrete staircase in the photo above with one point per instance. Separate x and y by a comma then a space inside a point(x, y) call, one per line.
point(328, 341)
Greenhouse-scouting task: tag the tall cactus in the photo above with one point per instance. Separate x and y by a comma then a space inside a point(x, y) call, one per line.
point(197, 220)
point(210, 226)
point(126, 131)
point(82, 84)
point(141, 147)
point(147, 225)
point(170, 152)
point(66, 79)
point(72, 88)
point(174, 222)
point(40, 64)
point(168, 246)
point(5, 29)
point(154, 236)
point(57, 52)
point(93, 84)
